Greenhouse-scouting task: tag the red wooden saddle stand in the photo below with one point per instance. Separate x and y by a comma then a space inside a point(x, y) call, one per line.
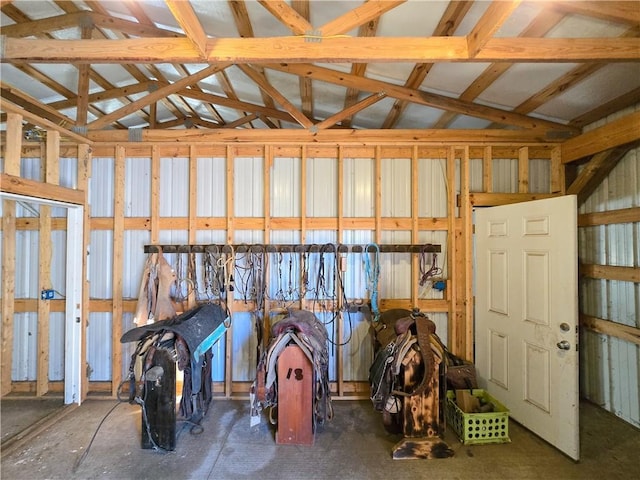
point(295, 398)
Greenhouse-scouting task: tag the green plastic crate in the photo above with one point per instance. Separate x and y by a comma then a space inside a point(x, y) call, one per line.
point(478, 428)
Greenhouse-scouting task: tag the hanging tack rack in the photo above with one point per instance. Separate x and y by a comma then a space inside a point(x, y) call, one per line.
point(295, 248)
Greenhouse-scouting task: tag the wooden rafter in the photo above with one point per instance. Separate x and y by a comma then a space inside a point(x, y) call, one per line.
point(360, 15)
point(595, 172)
point(188, 21)
point(276, 95)
point(287, 15)
point(245, 29)
point(489, 24)
point(156, 95)
point(540, 25)
point(369, 29)
point(612, 11)
point(419, 97)
point(350, 111)
point(305, 84)
point(447, 26)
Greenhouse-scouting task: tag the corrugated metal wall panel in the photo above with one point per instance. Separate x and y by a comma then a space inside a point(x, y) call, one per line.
point(101, 187)
point(99, 346)
point(285, 187)
point(610, 367)
point(322, 192)
point(244, 344)
point(358, 181)
point(357, 347)
point(100, 264)
point(56, 346)
point(539, 176)
point(505, 175)
point(133, 261)
point(27, 264)
point(137, 194)
point(248, 187)
point(432, 191)
point(396, 187)
point(212, 187)
point(174, 187)
point(25, 343)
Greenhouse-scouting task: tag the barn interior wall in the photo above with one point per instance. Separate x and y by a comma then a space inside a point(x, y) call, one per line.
point(610, 364)
point(347, 195)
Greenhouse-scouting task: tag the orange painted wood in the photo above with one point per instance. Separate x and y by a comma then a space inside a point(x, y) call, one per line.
point(295, 398)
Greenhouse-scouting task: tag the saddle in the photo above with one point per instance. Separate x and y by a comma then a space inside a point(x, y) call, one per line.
point(189, 338)
point(396, 333)
point(302, 328)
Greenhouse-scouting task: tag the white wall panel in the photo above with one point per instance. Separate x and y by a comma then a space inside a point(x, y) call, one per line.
point(248, 200)
point(174, 187)
point(432, 190)
point(211, 186)
point(133, 261)
point(358, 181)
point(101, 187)
point(25, 346)
point(56, 345)
point(396, 187)
point(505, 175)
point(285, 187)
point(610, 367)
point(27, 264)
point(99, 346)
point(100, 264)
point(137, 192)
point(322, 189)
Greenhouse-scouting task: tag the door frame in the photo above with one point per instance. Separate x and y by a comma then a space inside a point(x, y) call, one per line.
point(73, 293)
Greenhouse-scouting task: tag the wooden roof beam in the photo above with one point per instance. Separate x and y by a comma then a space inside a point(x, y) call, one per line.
point(190, 24)
point(305, 84)
point(245, 29)
point(330, 50)
point(156, 95)
point(277, 96)
point(613, 11)
point(447, 26)
point(287, 15)
point(594, 172)
point(421, 97)
point(350, 111)
point(360, 15)
point(489, 23)
point(616, 133)
point(538, 27)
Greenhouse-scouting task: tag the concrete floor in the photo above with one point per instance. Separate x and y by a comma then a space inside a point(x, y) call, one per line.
point(352, 446)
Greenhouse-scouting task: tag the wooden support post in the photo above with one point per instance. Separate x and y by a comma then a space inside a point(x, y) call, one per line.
point(84, 173)
point(466, 344)
point(155, 194)
point(487, 169)
point(378, 195)
point(117, 268)
point(415, 265)
point(13, 148)
point(295, 397)
point(339, 325)
point(453, 331)
point(523, 170)
point(557, 171)
point(228, 345)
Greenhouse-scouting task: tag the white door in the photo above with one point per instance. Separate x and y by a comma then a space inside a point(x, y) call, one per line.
point(527, 313)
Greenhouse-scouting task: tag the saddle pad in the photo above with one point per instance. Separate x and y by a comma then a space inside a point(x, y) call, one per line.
point(194, 326)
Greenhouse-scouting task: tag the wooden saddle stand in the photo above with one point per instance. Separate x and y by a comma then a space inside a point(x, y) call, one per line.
point(408, 383)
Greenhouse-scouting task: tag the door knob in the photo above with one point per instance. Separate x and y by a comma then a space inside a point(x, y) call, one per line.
point(563, 345)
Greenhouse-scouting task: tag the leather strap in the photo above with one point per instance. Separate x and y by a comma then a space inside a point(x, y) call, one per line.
point(424, 329)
